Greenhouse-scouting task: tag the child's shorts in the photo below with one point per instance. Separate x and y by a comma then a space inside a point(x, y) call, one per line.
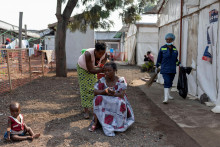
point(6, 134)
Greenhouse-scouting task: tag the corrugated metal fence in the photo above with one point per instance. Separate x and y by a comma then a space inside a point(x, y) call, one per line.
point(18, 68)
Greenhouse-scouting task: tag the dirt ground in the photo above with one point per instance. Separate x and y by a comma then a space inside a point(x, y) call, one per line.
point(51, 106)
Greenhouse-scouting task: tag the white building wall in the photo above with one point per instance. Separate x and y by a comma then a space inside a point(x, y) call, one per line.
point(49, 42)
point(75, 42)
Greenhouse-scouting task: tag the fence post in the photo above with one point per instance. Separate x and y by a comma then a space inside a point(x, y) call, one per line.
point(9, 72)
point(20, 41)
point(42, 62)
point(30, 67)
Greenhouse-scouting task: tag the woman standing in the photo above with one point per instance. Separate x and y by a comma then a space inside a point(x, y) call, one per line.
point(167, 59)
point(87, 70)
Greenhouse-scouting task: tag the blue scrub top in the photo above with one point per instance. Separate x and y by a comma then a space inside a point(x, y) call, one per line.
point(167, 59)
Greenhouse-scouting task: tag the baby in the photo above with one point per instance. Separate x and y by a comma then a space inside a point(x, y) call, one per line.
point(16, 127)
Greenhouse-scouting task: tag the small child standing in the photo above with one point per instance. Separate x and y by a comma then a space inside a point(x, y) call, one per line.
point(17, 129)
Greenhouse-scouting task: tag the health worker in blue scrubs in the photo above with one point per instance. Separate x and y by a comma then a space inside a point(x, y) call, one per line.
point(167, 59)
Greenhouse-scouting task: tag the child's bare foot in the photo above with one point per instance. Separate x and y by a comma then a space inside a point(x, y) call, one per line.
point(36, 135)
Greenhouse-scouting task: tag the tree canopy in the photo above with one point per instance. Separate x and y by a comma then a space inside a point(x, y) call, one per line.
point(95, 15)
point(97, 12)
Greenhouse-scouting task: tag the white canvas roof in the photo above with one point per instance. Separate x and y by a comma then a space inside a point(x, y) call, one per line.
point(10, 27)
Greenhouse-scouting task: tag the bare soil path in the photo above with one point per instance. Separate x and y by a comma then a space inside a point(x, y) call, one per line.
point(51, 106)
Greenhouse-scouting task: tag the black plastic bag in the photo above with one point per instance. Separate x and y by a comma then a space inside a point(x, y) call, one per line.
point(182, 85)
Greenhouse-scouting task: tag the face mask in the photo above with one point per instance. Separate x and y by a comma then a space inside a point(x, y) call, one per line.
point(169, 43)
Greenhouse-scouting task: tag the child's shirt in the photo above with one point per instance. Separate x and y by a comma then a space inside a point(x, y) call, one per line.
point(16, 126)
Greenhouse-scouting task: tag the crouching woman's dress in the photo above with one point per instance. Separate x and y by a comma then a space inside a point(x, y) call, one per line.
point(114, 113)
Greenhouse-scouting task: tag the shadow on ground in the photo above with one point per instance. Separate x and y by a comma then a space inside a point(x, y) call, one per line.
point(51, 106)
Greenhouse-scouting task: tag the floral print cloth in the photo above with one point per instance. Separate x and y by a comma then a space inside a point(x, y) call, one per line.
point(113, 113)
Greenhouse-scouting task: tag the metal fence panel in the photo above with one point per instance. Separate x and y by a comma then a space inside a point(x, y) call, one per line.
point(17, 68)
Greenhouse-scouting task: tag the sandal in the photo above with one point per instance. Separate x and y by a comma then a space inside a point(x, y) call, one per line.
point(92, 129)
point(86, 115)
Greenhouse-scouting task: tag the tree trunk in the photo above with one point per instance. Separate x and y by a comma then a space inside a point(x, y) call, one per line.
point(60, 48)
point(60, 40)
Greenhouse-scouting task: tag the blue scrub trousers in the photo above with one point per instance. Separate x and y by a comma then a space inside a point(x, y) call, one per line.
point(168, 79)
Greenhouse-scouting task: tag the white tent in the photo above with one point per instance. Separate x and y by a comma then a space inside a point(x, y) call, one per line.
point(141, 37)
point(147, 40)
point(130, 44)
point(200, 28)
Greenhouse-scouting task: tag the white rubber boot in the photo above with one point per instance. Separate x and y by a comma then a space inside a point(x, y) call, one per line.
point(169, 96)
point(166, 92)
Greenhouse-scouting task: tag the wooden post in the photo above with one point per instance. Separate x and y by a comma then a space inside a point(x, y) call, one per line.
point(20, 40)
point(42, 61)
point(9, 72)
point(25, 26)
point(30, 67)
point(3, 39)
point(20, 28)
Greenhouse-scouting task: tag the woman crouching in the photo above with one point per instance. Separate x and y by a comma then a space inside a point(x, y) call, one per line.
point(110, 105)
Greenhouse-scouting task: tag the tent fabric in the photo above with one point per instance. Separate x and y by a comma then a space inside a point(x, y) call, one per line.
point(147, 40)
point(199, 31)
point(184, 41)
point(190, 6)
point(142, 49)
point(218, 73)
point(192, 52)
point(169, 13)
point(130, 44)
point(207, 72)
point(204, 3)
point(217, 108)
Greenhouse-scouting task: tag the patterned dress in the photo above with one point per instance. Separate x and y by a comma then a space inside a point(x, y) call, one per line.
point(113, 113)
point(86, 83)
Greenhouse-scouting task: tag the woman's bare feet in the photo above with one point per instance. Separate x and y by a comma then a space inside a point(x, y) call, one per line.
point(93, 128)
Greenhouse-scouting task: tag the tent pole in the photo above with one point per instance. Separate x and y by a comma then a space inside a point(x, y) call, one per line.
point(181, 29)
